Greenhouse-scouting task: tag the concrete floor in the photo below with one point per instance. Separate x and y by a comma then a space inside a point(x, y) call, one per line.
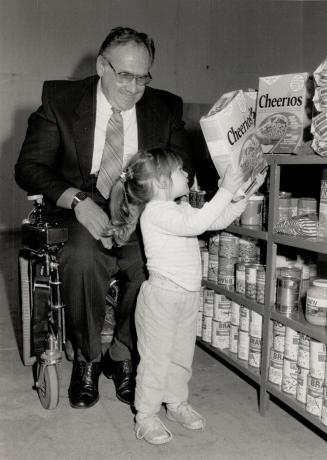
point(235, 430)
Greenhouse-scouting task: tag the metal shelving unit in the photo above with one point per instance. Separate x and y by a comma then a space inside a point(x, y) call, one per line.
point(296, 321)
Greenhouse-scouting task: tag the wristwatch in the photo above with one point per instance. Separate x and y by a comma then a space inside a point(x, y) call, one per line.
point(80, 196)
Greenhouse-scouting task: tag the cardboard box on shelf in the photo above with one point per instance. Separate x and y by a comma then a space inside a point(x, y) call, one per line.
point(283, 113)
point(229, 131)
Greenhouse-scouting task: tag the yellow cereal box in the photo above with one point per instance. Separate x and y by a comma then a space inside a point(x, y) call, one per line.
point(229, 131)
point(283, 112)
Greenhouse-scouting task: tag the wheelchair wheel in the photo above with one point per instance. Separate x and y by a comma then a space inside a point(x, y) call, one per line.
point(26, 309)
point(48, 386)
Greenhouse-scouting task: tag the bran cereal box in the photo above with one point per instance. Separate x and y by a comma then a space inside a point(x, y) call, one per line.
point(283, 113)
point(229, 131)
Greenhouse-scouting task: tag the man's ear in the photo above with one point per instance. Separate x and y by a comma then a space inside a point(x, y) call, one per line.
point(100, 66)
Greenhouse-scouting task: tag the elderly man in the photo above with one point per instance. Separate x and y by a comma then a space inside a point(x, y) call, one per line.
point(76, 145)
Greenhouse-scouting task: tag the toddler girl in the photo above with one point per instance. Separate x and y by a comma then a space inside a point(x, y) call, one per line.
point(168, 302)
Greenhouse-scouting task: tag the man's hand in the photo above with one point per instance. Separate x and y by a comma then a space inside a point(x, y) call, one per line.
point(94, 219)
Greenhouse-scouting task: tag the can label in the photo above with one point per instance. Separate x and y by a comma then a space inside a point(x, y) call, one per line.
point(228, 245)
point(222, 308)
point(213, 268)
point(261, 282)
point(314, 395)
point(289, 376)
point(204, 262)
point(254, 351)
point(255, 324)
point(302, 385)
point(244, 318)
point(240, 278)
point(243, 345)
point(233, 338)
point(206, 328)
point(235, 313)
point(303, 351)
point(276, 367)
point(208, 303)
point(220, 335)
point(291, 344)
point(214, 245)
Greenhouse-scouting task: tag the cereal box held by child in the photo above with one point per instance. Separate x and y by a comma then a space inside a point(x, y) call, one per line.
point(283, 112)
point(229, 132)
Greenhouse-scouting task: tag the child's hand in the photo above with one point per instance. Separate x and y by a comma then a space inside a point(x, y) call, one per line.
point(232, 180)
point(259, 179)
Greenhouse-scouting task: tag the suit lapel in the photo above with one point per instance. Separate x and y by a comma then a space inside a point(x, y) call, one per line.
point(146, 122)
point(83, 127)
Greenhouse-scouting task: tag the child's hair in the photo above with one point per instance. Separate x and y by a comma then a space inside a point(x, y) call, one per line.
point(134, 188)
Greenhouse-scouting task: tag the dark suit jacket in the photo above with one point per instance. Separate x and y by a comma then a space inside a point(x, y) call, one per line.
point(58, 147)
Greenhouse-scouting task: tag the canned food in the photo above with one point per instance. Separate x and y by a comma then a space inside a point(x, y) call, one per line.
point(220, 334)
point(287, 295)
point(260, 286)
point(251, 280)
point(228, 245)
point(240, 278)
point(233, 338)
point(247, 250)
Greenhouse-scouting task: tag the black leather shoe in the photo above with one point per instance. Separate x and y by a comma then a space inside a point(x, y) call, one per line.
point(121, 373)
point(83, 389)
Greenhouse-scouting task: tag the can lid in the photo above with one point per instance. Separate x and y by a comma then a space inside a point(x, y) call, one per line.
point(320, 282)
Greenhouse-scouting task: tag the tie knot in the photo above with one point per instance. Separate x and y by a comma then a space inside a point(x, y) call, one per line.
point(114, 110)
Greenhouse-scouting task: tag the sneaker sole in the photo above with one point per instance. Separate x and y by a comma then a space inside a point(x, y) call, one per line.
point(188, 427)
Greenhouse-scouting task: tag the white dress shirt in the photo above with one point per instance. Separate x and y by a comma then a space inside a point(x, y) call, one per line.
point(103, 113)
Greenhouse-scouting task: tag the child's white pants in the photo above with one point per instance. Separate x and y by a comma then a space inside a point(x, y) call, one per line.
point(165, 319)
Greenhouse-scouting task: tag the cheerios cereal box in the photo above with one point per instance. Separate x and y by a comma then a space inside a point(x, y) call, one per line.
point(229, 132)
point(283, 112)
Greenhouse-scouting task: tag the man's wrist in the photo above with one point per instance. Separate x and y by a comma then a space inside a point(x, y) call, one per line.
point(78, 197)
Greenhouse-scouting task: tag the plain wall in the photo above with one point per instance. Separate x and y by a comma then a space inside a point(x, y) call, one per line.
point(204, 48)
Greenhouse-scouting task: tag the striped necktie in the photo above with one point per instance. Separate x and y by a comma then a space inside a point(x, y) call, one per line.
point(112, 157)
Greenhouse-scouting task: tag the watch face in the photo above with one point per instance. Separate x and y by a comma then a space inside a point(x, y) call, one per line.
point(81, 196)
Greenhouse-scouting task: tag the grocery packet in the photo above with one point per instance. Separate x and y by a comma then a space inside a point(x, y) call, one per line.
point(284, 109)
point(319, 122)
point(229, 132)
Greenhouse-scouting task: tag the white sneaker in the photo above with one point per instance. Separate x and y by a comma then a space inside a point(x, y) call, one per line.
point(152, 430)
point(184, 414)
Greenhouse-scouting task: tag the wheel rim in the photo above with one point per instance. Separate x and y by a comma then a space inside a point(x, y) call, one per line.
point(48, 386)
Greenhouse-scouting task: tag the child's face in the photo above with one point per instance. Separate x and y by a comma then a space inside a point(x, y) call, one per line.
point(179, 183)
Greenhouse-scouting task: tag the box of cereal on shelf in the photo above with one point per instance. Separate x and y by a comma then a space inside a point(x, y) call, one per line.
point(229, 132)
point(283, 113)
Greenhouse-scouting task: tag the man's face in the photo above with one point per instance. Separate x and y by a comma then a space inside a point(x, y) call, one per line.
point(132, 58)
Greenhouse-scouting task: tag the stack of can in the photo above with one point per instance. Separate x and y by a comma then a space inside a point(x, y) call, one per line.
point(290, 369)
point(228, 257)
point(213, 257)
point(255, 339)
point(243, 334)
point(275, 372)
point(204, 258)
point(199, 321)
point(221, 322)
point(303, 360)
point(208, 305)
point(298, 365)
point(316, 379)
point(234, 327)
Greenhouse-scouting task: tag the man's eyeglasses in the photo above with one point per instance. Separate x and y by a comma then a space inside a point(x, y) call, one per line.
point(126, 77)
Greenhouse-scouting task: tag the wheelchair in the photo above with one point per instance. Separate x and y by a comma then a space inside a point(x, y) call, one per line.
point(41, 305)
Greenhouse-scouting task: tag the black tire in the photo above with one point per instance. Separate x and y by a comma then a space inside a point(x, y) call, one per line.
point(26, 309)
point(48, 389)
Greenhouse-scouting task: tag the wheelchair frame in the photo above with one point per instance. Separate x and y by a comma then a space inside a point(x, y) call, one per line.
point(42, 309)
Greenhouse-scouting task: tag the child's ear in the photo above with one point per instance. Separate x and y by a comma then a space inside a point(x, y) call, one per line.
point(163, 183)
